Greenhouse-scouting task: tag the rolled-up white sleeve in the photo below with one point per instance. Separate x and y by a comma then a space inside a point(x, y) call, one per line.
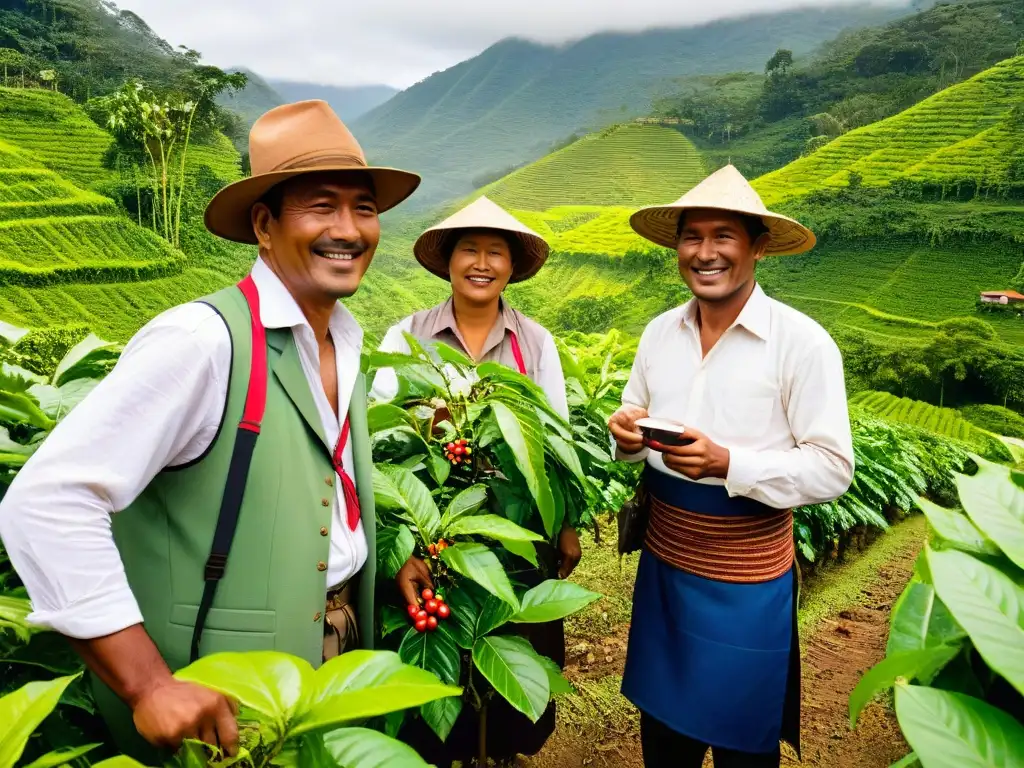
point(161, 405)
point(820, 466)
point(385, 381)
point(551, 378)
point(636, 392)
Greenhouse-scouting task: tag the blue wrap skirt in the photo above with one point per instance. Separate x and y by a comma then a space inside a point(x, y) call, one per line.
point(716, 661)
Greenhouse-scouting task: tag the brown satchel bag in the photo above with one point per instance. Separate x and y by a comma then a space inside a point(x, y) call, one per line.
point(633, 518)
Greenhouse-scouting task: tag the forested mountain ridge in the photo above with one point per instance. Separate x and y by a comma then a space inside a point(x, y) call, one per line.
point(510, 104)
point(760, 122)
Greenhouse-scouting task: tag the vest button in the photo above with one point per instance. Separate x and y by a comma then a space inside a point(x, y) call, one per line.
point(329, 480)
point(324, 531)
point(317, 617)
point(321, 566)
point(325, 502)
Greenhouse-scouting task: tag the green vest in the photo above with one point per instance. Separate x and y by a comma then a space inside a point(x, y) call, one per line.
point(273, 594)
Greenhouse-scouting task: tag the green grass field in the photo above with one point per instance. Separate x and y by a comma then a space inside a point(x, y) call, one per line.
point(623, 165)
point(963, 133)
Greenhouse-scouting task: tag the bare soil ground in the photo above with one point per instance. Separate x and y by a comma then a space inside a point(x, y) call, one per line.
point(844, 620)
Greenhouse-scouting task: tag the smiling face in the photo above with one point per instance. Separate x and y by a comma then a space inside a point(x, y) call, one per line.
point(717, 253)
point(318, 232)
point(480, 266)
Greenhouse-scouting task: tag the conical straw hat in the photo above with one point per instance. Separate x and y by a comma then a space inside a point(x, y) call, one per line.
point(482, 214)
point(292, 140)
point(724, 190)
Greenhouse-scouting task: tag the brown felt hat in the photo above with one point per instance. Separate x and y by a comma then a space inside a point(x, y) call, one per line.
point(725, 190)
point(289, 141)
point(430, 249)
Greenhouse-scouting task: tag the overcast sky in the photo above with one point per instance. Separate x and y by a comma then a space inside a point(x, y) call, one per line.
point(399, 42)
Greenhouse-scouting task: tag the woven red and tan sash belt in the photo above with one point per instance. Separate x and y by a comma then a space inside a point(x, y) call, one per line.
point(743, 549)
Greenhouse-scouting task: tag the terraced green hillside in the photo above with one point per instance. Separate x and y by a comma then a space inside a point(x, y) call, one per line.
point(56, 132)
point(624, 165)
point(69, 255)
point(972, 132)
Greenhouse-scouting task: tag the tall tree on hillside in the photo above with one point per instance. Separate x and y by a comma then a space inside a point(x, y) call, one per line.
point(9, 59)
point(163, 125)
point(780, 96)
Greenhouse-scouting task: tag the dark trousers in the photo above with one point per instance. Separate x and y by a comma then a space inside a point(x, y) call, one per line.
point(665, 748)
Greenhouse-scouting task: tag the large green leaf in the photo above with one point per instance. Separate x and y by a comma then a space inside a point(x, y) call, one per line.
point(988, 605)
point(437, 652)
point(512, 666)
point(362, 684)
point(57, 402)
point(524, 549)
point(524, 435)
point(568, 456)
point(273, 684)
point(920, 620)
point(397, 487)
point(395, 546)
point(17, 408)
point(912, 665)
point(559, 685)
point(22, 711)
point(452, 355)
point(90, 358)
point(121, 761)
point(493, 527)
point(61, 756)
point(956, 529)
point(950, 729)
point(494, 613)
point(363, 748)
point(996, 505)
point(477, 562)
point(465, 502)
point(465, 612)
point(553, 599)
point(386, 416)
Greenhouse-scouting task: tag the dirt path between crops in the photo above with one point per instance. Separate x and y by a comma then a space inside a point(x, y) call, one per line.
point(848, 640)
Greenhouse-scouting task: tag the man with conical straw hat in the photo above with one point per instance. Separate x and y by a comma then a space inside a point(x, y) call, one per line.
point(479, 251)
point(215, 491)
point(737, 404)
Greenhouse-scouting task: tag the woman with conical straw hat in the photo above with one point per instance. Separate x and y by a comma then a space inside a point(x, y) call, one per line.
point(479, 250)
point(749, 396)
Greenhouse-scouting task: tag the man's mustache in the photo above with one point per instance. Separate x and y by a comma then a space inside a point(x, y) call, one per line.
point(348, 246)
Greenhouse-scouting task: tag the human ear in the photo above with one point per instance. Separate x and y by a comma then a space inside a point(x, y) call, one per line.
point(261, 218)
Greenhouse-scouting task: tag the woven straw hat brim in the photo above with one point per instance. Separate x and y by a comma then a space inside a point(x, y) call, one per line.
point(660, 223)
point(482, 214)
point(229, 214)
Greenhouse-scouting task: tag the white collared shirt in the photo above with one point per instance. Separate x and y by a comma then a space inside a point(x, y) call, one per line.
point(160, 407)
point(771, 391)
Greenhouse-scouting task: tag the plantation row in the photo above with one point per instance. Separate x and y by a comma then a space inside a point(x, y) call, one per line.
point(626, 165)
point(586, 229)
point(944, 421)
point(956, 135)
point(941, 421)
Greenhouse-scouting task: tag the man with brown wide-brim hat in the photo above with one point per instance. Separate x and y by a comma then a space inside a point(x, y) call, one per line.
point(480, 250)
point(231, 442)
point(750, 401)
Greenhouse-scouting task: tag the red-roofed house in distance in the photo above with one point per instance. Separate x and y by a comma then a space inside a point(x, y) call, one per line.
point(1001, 297)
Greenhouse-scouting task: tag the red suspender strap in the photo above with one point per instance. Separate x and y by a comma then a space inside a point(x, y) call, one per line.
point(256, 395)
point(517, 353)
point(238, 469)
point(349, 487)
